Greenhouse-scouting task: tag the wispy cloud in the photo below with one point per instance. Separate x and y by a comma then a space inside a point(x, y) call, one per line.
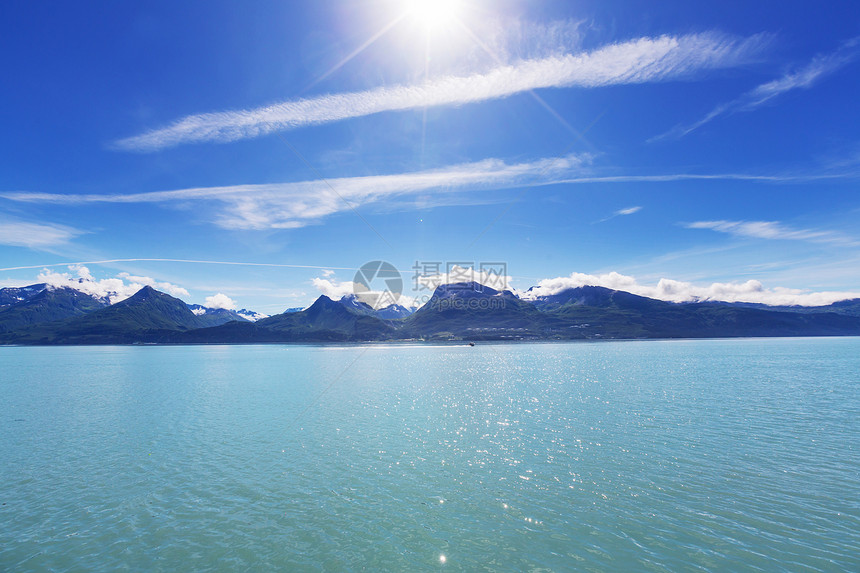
point(35, 235)
point(671, 177)
point(802, 78)
point(636, 61)
point(292, 205)
point(297, 204)
point(681, 291)
point(773, 230)
point(621, 213)
point(181, 261)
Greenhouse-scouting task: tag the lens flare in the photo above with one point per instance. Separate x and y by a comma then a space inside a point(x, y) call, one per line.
point(434, 13)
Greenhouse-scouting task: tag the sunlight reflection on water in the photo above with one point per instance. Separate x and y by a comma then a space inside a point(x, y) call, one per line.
point(635, 455)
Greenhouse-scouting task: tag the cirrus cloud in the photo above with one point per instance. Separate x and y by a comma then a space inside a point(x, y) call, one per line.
point(772, 230)
point(803, 78)
point(38, 236)
point(296, 204)
point(636, 61)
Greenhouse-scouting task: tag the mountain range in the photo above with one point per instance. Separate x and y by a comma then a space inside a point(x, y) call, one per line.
point(41, 314)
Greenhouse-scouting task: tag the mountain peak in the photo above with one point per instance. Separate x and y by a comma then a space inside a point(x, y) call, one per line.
point(145, 293)
point(323, 302)
point(468, 289)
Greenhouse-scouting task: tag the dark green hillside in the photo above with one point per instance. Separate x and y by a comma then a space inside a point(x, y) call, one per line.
point(144, 317)
point(617, 314)
point(14, 295)
point(328, 320)
point(473, 311)
point(324, 321)
point(465, 311)
point(215, 316)
point(47, 305)
point(850, 307)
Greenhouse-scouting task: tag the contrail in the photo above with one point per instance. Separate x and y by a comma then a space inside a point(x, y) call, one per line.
point(154, 260)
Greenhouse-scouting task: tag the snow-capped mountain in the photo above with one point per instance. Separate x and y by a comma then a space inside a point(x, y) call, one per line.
point(465, 311)
point(254, 316)
point(13, 295)
point(392, 311)
point(215, 316)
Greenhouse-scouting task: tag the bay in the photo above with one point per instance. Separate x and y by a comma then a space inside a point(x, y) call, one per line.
point(639, 455)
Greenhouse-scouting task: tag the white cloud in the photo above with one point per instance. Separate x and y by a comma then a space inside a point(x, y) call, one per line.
point(678, 291)
point(220, 300)
point(292, 205)
point(772, 230)
point(670, 177)
point(139, 282)
point(112, 289)
point(670, 290)
point(296, 204)
point(420, 292)
point(516, 39)
point(333, 288)
point(35, 235)
point(427, 279)
point(621, 213)
point(804, 78)
point(628, 210)
point(636, 61)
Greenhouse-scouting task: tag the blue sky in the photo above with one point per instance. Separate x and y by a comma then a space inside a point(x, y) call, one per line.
point(713, 145)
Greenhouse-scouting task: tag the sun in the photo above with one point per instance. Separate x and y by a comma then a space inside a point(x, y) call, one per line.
point(434, 13)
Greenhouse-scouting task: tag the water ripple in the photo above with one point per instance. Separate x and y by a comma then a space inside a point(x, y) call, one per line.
point(653, 456)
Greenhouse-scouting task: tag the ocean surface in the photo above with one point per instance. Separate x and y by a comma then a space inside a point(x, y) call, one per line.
point(709, 455)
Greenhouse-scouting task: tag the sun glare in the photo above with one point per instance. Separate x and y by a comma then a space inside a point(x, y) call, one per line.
point(433, 13)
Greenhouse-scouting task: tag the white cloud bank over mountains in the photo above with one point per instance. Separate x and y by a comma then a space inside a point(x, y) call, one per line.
point(636, 61)
point(125, 285)
point(670, 290)
point(423, 284)
point(113, 289)
point(679, 291)
point(121, 287)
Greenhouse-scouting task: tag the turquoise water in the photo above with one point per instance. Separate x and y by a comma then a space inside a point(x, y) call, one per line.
point(647, 456)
